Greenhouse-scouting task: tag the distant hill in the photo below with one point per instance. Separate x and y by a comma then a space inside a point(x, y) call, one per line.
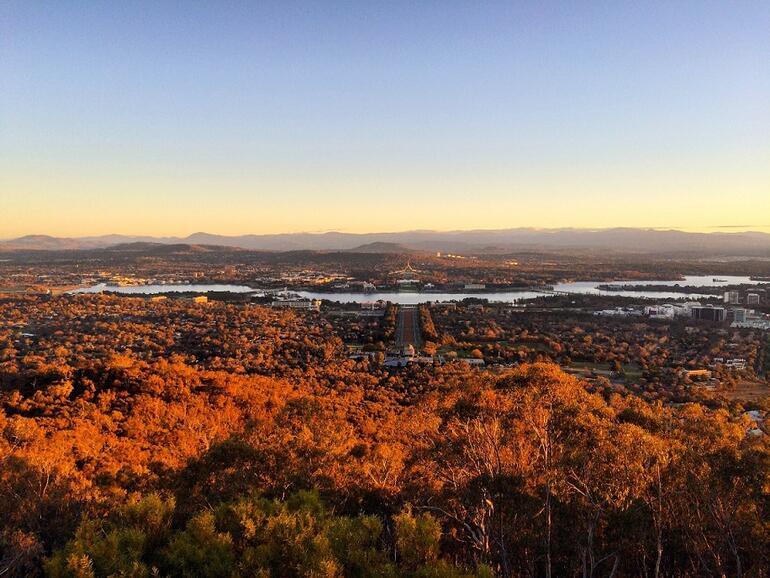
point(642, 241)
point(166, 249)
point(49, 243)
point(46, 243)
point(382, 247)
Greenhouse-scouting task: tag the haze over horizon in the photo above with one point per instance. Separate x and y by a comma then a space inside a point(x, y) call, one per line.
point(725, 229)
point(144, 119)
point(479, 241)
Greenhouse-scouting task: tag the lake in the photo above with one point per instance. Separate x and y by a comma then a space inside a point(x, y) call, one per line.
point(592, 287)
point(154, 289)
point(576, 287)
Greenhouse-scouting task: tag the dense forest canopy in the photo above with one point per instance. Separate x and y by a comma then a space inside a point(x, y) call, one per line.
point(142, 438)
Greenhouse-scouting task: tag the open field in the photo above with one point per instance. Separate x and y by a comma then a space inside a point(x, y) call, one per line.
point(747, 391)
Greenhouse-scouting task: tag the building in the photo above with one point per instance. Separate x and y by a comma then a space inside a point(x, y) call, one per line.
point(618, 312)
point(475, 286)
point(407, 272)
point(732, 297)
point(708, 313)
point(200, 299)
point(660, 311)
point(697, 373)
point(762, 324)
point(305, 304)
point(752, 299)
point(685, 309)
point(408, 284)
point(739, 315)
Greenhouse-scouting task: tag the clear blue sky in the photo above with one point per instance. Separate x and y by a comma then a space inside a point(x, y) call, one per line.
point(171, 117)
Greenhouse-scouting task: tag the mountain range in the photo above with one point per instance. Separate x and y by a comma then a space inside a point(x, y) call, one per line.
point(471, 241)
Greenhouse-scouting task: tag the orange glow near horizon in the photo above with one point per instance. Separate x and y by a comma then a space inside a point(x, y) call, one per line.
point(261, 118)
point(83, 208)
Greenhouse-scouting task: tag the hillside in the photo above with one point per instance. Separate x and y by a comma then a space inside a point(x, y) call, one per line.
point(640, 241)
point(382, 247)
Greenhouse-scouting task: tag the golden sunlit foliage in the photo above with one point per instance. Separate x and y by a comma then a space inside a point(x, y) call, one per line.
point(142, 439)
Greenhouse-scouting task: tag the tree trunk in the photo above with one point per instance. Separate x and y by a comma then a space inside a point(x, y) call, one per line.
point(659, 526)
point(548, 530)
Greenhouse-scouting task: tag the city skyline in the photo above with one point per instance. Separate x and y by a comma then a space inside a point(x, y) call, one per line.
point(149, 119)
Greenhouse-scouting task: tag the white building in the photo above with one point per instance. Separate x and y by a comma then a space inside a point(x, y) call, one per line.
point(732, 297)
point(618, 312)
point(685, 309)
point(669, 311)
point(660, 311)
point(762, 324)
point(306, 304)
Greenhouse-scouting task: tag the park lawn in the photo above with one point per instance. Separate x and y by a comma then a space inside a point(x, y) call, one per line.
point(747, 391)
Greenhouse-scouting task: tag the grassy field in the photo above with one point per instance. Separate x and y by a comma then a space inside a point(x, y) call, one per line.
point(747, 390)
point(632, 371)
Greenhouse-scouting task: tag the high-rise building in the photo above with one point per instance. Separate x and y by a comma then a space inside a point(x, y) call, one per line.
point(752, 299)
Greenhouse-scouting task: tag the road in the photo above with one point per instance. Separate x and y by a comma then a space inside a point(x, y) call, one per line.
point(408, 327)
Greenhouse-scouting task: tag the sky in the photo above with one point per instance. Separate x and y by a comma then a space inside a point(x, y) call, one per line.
point(166, 118)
